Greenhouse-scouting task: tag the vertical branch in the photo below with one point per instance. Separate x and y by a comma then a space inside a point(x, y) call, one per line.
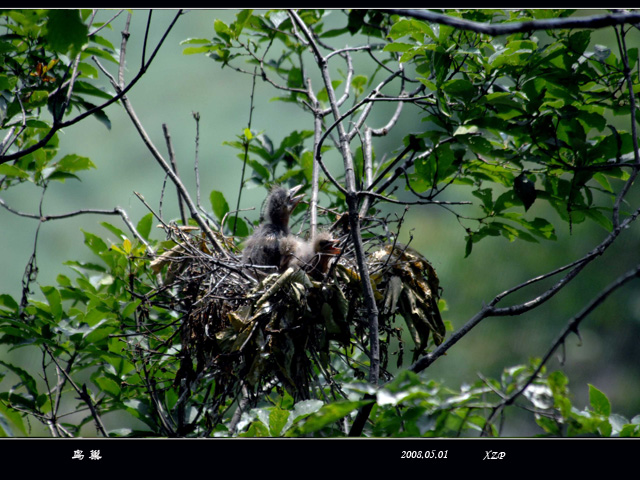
point(315, 174)
point(367, 158)
point(174, 165)
point(123, 49)
point(82, 392)
point(367, 148)
point(246, 152)
point(196, 161)
point(31, 270)
point(634, 131)
point(352, 203)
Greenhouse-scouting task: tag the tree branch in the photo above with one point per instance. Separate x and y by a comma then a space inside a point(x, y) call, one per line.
point(571, 327)
point(490, 309)
point(160, 159)
point(84, 211)
point(82, 392)
point(352, 203)
point(174, 165)
point(596, 21)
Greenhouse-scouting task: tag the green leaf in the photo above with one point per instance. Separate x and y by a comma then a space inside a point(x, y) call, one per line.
point(397, 47)
point(484, 194)
point(306, 162)
point(95, 243)
point(13, 171)
point(222, 30)
point(358, 83)
point(259, 169)
point(196, 50)
point(65, 31)
point(8, 303)
point(54, 300)
point(144, 226)
point(107, 385)
point(140, 410)
point(257, 429)
point(219, 204)
point(190, 41)
point(99, 332)
point(25, 379)
point(602, 220)
point(463, 130)
point(99, 115)
point(305, 408)
point(115, 230)
point(237, 225)
point(599, 401)
point(100, 53)
point(277, 420)
point(74, 163)
point(242, 19)
point(278, 17)
point(89, 89)
point(12, 418)
point(131, 307)
point(329, 414)
point(459, 88)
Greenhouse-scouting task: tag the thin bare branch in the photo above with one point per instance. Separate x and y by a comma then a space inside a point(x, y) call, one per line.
point(490, 310)
point(245, 158)
point(174, 165)
point(85, 211)
point(634, 131)
point(164, 164)
point(82, 393)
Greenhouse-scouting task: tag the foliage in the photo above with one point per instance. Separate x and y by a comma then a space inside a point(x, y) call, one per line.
point(492, 110)
point(43, 54)
point(510, 120)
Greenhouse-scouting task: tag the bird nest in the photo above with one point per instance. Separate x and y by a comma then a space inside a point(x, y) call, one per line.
point(286, 328)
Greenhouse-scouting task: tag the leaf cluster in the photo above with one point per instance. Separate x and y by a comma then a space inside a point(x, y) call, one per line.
point(39, 50)
point(542, 104)
point(534, 105)
point(410, 407)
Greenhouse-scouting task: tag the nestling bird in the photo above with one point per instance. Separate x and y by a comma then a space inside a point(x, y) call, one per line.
point(314, 257)
point(325, 250)
point(294, 252)
point(263, 247)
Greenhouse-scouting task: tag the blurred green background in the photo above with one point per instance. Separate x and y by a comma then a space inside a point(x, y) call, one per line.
point(608, 356)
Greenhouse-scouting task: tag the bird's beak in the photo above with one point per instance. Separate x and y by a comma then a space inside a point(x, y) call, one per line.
point(294, 199)
point(332, 249)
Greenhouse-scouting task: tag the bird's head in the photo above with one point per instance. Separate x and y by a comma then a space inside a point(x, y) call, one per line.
point(325, 250)
point(280, 203)
point(326, 244)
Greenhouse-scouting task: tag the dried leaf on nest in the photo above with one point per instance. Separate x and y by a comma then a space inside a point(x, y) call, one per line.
point(407, 284)
point(173, 257)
